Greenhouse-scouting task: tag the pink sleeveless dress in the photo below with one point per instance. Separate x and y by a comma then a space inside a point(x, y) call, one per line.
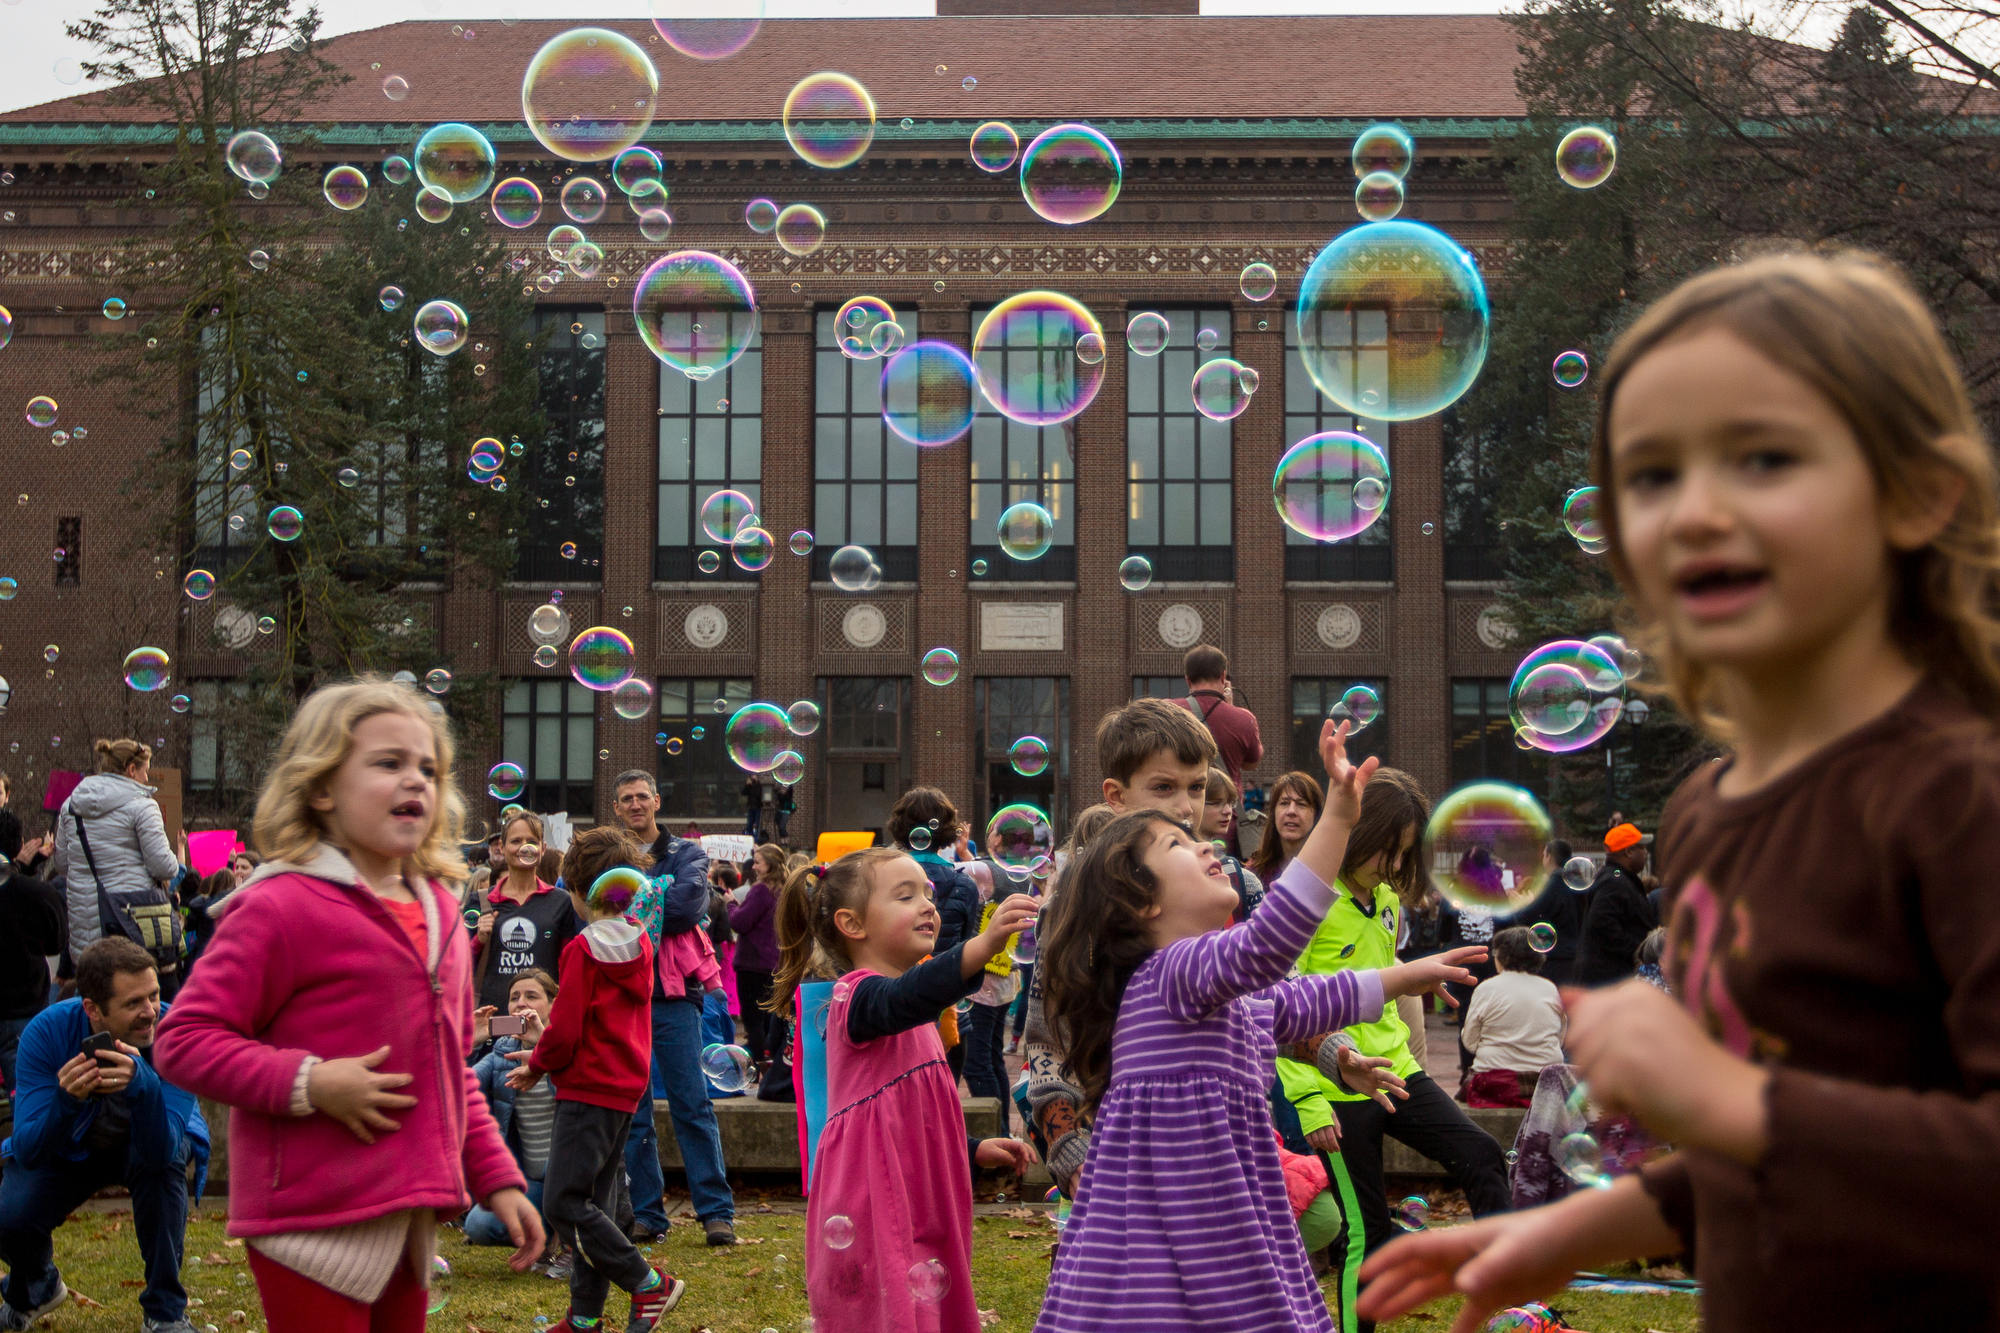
point(892, 1163)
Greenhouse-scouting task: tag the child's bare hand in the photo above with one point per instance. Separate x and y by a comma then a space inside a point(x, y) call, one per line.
point(524, 1226)
point(1497, 1262)
point(1325, 1139)
point(521, 1078)
point(1430, 974)
point(1344, 781)
point(1372, 1075)
point(1014, 914)
point(1004, 1155)
point(353, 1093)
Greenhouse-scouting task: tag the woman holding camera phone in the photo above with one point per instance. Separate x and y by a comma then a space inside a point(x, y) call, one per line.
point(524, 1118)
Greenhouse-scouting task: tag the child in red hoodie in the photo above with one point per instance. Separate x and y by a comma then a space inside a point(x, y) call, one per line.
point(598, 1052)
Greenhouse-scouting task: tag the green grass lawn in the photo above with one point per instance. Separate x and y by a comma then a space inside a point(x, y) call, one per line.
point(753, 1287)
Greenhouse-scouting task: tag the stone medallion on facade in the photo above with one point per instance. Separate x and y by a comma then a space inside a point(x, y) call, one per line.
point(864, 626)
point(706, 625)
point(1339, 626)
point(1180, 626)
point(1493, 629)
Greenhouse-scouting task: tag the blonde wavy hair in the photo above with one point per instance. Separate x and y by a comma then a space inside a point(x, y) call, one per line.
point(1851, 326)
point(318, 742)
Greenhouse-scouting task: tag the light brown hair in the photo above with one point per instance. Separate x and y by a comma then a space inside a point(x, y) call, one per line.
point(1851, 326)
point(595, 850)
point(533, 820)
point(1127, 737)
point(117, 756)
point(1271, 848)
point(813, 893)
point(1220, 788)
point(536, 975)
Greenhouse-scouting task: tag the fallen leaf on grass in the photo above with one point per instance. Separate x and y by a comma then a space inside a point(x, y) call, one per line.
point(753, 1272)
point(1022, 1213)
point(988, 1318)
point(750, 1240)
point(84, 1300)
point(132, 1282)
point(232, 1244)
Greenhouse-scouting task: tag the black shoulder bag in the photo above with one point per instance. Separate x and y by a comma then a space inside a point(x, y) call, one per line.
point(147, 919)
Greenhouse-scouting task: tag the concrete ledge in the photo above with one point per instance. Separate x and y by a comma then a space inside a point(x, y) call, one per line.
point(1401, 1160)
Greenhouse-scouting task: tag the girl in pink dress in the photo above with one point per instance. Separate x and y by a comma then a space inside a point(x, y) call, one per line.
point(889, 1220)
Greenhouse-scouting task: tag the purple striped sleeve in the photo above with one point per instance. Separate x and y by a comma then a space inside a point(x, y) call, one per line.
point(1309, 1006)
point(1200, 975)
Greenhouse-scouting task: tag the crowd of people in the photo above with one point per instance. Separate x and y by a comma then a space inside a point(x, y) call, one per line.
point(1222, 1004)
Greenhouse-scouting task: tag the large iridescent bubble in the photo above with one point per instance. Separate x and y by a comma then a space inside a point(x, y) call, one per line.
point(1483, 847)
point(1071, 174)
point(1331, 486)
point(1392, 321)
point(757, 734)
point(442, 327)
point(517, 202)
point(1026, 354)
point(1387, 148)
point(801, 229)
point(636, 166)
point(1020, 838)
point(929, 393)
point(829, 119)
point(589, 94)
point(995, 146)
point(695, 311)
point(346, 188)
point(254, 156)
point(455, 160)
point(600, 658)
point(707, 29)
point(1586, 157)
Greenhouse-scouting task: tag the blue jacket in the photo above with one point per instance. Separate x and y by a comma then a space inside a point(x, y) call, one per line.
point(957, 899)
point(50, 1125)
point(492, 1074)
point(687, 901)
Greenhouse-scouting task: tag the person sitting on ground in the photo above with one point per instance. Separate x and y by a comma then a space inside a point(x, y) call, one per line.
point(525, 1119)
point(1514, 1025)
point(91, 1111)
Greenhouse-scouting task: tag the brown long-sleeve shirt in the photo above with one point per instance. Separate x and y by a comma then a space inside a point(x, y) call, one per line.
point(1842, 926)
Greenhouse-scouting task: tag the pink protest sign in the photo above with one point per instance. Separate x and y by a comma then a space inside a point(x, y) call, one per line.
point(208, 851)
point(61, 783)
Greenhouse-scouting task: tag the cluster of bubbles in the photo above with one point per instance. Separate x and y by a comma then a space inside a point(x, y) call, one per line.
point(866, 328)
point(1358, 706)
point(1583, 521)
point(1568, 694)
point(1382, 156)
point(727, 1067)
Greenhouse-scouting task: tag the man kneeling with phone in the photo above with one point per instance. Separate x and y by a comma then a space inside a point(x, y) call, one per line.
point(90, 1111)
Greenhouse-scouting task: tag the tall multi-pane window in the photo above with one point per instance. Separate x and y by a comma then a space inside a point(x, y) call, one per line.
point(867, 764)
point(1472, 548)
point(697, 778)
point(221, 755)
point(1482, 737)
point(1159, 687)
point(1360, 343)
point(566, 540)
point(1313, 700)
point(1178, 487)
point(1011, 708)
point(711, 439)
point(1015, 463)
point(864, 474)
point(549, 728)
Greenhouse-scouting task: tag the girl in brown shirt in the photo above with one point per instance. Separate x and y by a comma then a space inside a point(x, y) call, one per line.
point(1802, 511)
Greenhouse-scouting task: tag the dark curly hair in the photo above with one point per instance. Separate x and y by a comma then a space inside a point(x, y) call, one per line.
point(919, 806)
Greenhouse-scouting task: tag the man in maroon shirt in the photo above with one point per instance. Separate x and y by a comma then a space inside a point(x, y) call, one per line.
point(1211, 696)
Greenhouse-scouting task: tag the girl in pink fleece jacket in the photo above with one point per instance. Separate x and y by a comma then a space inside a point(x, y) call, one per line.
point(333, 1015)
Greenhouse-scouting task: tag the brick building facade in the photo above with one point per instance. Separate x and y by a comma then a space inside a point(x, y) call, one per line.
point(1234, 156)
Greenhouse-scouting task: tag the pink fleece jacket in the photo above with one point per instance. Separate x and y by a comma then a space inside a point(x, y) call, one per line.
point(313, 964)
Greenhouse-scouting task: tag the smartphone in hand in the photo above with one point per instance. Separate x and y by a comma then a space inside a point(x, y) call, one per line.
point(100, 1041)
point(505, 1025)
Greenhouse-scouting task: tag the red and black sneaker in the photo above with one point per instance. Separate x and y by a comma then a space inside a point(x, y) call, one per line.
point(564, 1325)
point(648, 1307)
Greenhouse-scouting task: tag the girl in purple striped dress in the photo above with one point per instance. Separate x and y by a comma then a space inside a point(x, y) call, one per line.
point(1172, 1019)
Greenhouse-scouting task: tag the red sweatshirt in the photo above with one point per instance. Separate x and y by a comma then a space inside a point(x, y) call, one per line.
point(599, 1046)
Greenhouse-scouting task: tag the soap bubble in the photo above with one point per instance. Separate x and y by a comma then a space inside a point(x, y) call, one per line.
point(1026, 354)
point(829, 120)
point(708, 562)
point(147, 669)
point(1586, 157)
point(1483, 845)
point(801, 229)
point(589, 94)
point(928, 395)
point(801, 542)
point(600, 658)
point(199, 584)
point(851, 568)
point(563, 238)
point(656, 224)
point(1570, 369)
point(438, 680)
point(1383, 148)
point(1579, 873)
point(752, 548)
point(1258, 282)
point(584, 259)
point(707, 29)
point(636, 166)
point(1135, 572)
point(995, 146)
point(1222, 388)
point(1412, 1214)
point(727, 1067)
point(438, 1297)
point(1629, 659)
point(285, 523)
point(41, 411)
point(632, 700)
point(1541, 937)
point(584, 199)
point(1370, 284)
point(761, 216)
point(9, 589)
point(391, 297)
point(802, 718)
point(724, 512)
point(1026, 531)
point(1028, 755)
point(1550, 696)
point(254, 156)
point(855, 321)
point(506, 781)
point(838, 1232)
point(919, 838)
point(114, 306)
point(455, 160)
point(1378, 197)
point(1360, 705)
point(1551, 700)
point(548, 623)
point(1317, 485)
point(180, 703)
point(517, 202)
point(940, 666)
point(789, 769)
point(442, 327)
point(757, 734)
point(259, 260)
point(395, 87)
point(979, 567)
point(1019, 838)
point(1147, 333)
point(346, 188)
point(691, 309)
point(929, 1281)
point(1581, 517)
point(6, 326)
point(396, 169)
point(1206, 339)
point(1578, 1157)
point(545, 656)
point(1070, 174)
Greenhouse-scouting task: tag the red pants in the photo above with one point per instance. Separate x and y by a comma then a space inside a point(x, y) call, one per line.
point(296, 1304)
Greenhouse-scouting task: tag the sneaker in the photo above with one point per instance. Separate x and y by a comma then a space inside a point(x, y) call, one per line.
point(13, 1320)
point(167, 1326)
point(721, 1230)
point(649, 1307)
point(640, 1234)
point(564, 1325)
point(559, 1268)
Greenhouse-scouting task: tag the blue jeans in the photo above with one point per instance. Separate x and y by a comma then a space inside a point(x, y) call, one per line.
point(35, 1200)
point(642, 1163)
point(677, 1043)
point(483, 1228)
point(983, 1032)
